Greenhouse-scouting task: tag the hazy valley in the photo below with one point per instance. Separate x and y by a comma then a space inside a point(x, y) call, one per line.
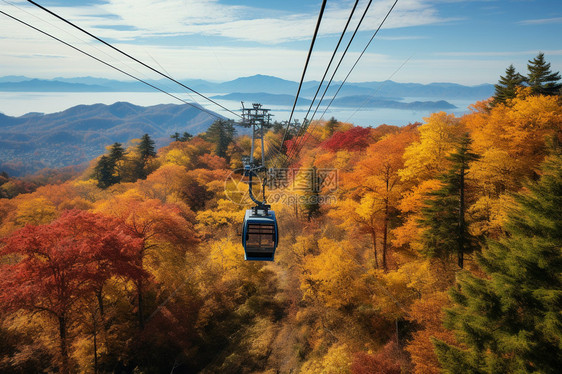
point(34, 141)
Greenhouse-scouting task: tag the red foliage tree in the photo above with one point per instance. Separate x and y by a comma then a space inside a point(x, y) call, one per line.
point(63, 262)
point(156, 224)
point(354, 139)
point(385, 361)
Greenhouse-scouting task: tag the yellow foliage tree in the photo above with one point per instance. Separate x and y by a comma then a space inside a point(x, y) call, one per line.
point(407, 235)
point(225, 214)
point(426, 158)
point(512, 139)
point(363, 216)
point(332, 276)
point(35, 211)
point(162, 227)
point(375, 177)
point(336, 361)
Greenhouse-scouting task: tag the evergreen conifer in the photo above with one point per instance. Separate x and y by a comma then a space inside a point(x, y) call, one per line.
point(507, 85)
point(221, 133)
point(541, 80)
point(510, 319)
point(146, 151)
point(103, 172)
point(117, 152)
point(311, 197)
point(146, 147)
point(185, 137)
point(444, 215)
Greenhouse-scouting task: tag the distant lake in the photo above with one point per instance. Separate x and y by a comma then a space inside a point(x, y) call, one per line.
point(20, 103)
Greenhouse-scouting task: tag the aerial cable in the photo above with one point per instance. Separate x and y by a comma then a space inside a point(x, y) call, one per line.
point(338, 65)
point(358, 58)
point(111, 57)
point(304, 70)
point(318, 22)
point(303, 141)
point(308, 57)
point(379, 87)
point(164, 69)
point(74, 35)
point(328, 67)
point(331, 59)
point(131, 57)
point(357, 61)
point(110, 65)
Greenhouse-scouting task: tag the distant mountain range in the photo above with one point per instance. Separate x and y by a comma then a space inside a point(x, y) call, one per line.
point(253, 84)
point(79, 134)
point(35, 140)
point(354, 101)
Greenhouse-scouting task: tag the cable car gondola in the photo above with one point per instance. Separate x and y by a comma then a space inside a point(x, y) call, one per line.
point(260, 235)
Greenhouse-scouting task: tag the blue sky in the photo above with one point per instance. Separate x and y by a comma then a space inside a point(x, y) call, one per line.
point(462, 41)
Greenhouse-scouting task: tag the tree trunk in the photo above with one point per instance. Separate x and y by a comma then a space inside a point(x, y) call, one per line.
point(461, 238)
point(99, 296)
point(95, 346)
point(64, 364)
point(385, 234)
point(374, 237)
point(140, 311)
point(397, 334)
point(103, 323)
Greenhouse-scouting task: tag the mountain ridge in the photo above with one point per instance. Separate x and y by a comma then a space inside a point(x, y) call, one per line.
point(82, 132)
point(251, 84)
point(353, 101)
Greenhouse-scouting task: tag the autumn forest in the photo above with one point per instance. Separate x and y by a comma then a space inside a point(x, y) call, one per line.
point(436, 249)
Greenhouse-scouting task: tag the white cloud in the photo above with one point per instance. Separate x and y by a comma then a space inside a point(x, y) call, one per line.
point(148, 18)
point(128, 22)
point(404, 37)
point(541, 21)
point(500, 54)
point(31, 54)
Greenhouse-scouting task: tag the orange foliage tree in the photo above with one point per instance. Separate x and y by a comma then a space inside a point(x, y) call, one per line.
point(376, 175)
point(512, 139)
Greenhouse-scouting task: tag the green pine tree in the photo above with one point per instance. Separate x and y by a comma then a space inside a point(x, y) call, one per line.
point(185, 137)
point(444, 215)
point(332, 125)
point(146, 151)
point(221, 133)
point(541, 80)
point(146, 147)
point(103, 172)
point(507, 86)
point(510, 319)
point(117, 154)
point(176, 136)
point(107, 172)
point(311, 197)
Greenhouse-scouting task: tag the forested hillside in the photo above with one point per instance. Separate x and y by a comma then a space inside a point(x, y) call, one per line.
point(437, 250)
point(36, 141)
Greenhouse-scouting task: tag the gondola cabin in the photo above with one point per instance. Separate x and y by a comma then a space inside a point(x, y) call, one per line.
point(260, 235)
